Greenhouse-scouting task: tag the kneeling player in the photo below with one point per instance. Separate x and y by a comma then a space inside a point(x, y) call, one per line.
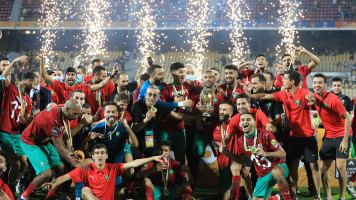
point(267, 155)
point(99, 180)
point(162, 177)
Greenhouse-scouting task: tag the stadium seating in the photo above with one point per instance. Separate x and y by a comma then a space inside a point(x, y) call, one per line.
point(5, 9)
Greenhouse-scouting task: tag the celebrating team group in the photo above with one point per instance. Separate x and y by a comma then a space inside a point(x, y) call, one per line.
point(116, 139)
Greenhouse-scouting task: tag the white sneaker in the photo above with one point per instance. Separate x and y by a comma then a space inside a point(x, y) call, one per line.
point(20, 188)
point(350, 188)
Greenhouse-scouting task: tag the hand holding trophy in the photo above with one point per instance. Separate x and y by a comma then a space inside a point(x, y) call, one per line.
point(206, 98)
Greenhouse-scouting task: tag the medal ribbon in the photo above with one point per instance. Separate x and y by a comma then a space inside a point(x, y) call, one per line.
point(223, 133)
point(254, 141)
point(175, 90)
point(233, 90)
point(22, 104)
point(67, 128)
point(111, 132)
point(122, 115)
point(165, 177)
point(97, 93)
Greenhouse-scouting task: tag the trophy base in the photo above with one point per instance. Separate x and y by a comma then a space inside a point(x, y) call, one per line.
point(206, 115)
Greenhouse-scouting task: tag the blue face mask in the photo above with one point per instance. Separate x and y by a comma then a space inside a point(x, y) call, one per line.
point(79, 79)
point(190, 77)
point(58, 78)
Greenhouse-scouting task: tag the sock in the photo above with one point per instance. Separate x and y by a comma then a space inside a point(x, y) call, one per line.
point(353, 177)
point(149, 193)
point(187, 194)
point(236, 180)
point(29, 190)
point(130, 186)
point(285, 191)
point(78, 189)
point(51, 194)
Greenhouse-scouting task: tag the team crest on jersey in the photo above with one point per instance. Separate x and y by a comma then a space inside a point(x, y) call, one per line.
point(42, 164)
point(171, 171)
point(106, 177)
point(343, 101)
point(117, 133)
point(297, 101)
point(145, 166)
point(274, 143)
point(215, 100)
point(55, 131)
point(326, 105)
point(52, 93)
point(49, 109)
point(234, 96)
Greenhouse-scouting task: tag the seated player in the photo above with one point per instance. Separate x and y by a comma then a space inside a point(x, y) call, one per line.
point(163, 177)
point(99, 180)
point(5, 192)
point(267, 155)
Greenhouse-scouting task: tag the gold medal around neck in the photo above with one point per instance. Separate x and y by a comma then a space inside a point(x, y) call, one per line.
point(166, 192)
point(253, 150)
point(154, 109)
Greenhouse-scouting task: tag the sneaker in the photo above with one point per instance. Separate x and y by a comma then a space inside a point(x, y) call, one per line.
point(317, 197)
point(350, 188)
point(20, 188)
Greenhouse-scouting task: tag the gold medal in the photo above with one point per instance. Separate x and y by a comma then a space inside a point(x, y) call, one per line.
point(253, 150)
point(166, 192)
point(154, 109)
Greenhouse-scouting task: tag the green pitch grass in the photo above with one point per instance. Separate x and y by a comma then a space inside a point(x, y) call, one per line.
point(211, 194)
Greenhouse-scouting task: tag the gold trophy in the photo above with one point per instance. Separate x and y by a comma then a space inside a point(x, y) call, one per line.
point(206, 98)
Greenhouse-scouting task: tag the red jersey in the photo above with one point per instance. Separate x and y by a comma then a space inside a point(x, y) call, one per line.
point(330, 114)
point(63, 90)
point(228, 94)
point(96, 99)
point(110, 88)
point(6, 189)
point(101, 182)
point(298, 112)
point(136, 93)
point(167, 95)
point(47, 124)
point(301, 69)
point(11, 109)
point(175, 168)
point(53, 94)
point(218, 134)
point(268, 143)
point(247, 74)
point(126, 116)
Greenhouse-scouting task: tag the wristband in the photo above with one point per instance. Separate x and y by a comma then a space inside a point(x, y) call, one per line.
point(180, 104)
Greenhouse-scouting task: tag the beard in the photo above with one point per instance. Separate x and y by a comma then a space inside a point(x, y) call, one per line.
point(157, 81)
point(28, 88)
point(111, 117)
point(224, 118)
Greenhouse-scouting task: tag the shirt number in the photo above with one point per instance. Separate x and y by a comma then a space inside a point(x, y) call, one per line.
point(256, 158)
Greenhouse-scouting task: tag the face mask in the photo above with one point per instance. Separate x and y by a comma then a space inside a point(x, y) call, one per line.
point(58, 78)
point(79, 79)
point(190, 77)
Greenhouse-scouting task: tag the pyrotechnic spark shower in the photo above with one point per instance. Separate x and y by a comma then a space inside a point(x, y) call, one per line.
point(289, 13)
point(236, 14)
point(197, 13)
point(95, 14)
point(145, 19)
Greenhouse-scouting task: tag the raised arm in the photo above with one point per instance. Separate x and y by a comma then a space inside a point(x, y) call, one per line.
point(46, 78)
point(184, 116)
point(105, 82)
point(142, 161)
point(262, 96)
point(6, 72)
point(132, 137)
point(314, 60)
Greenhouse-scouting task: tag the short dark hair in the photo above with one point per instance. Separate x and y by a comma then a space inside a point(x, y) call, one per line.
point(208, 71)
point(111, 103)
point(75, 91)
point(82, 67)
point(260, 55)
point(165, 143)
point(336, 79)
point(98, 69)
point(34, 70)
point(229, 104)
point(295, 76)
point(4, 58)
point(243, 96)
point(144, 77)
point(248, 113)
point(100, 146)
point(261, 78)
point(122, 96)
point(152, 68)
point(320, 75)
point(214, 68)
point(29, 75)
point(271, 75)
point(231, 66)
point(286, 54)
point(176, 66)
point(95, 60)
point(86, 106)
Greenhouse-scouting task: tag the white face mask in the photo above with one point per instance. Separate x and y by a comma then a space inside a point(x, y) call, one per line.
point(58, 78)
point(190, 77)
